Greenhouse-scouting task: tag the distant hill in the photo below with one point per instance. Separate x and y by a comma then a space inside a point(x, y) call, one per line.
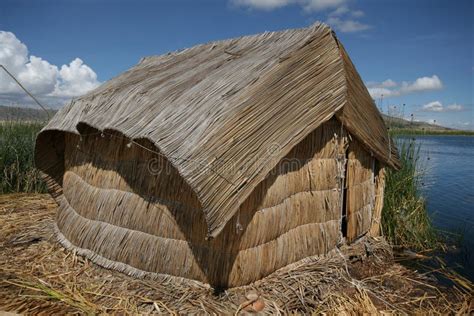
point(396, 123)
point(11, 113)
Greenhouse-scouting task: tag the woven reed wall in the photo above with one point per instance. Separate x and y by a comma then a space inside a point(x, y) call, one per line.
point(379, 196)
point(360, 184)
point(137, 222)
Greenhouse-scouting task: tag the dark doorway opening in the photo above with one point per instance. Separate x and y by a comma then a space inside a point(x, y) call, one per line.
point(344, 196)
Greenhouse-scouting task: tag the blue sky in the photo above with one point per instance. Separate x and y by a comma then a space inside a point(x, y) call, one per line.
point(418, 53)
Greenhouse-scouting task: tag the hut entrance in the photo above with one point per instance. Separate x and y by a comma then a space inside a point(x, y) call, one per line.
point(359, 191)
point(344, 198)
point(356, 180)
point(341, 142)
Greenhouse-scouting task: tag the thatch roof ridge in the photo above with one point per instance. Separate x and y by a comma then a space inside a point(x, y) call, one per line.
point(233, 39)
point(361, 116)
point(203, 106)
point(158, 58)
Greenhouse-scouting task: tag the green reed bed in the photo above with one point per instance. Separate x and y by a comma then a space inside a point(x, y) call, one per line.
point(405, 220)
point(17, 171)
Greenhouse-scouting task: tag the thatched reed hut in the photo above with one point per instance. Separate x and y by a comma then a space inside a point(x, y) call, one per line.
point(222, 162)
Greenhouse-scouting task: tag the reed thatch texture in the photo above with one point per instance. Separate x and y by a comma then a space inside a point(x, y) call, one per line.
point(360, 186)
point(118, 214)
point(228, 101)
point(379, 196)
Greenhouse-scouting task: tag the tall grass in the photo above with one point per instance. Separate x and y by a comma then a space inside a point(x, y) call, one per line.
point(17, 171)
point(405, 220)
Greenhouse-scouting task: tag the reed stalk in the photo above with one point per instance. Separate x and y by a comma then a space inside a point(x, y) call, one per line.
point(405, 220)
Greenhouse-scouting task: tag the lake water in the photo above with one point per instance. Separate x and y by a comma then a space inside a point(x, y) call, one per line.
point(448, 186)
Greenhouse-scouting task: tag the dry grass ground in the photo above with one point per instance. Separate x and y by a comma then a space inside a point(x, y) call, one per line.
point(37, 276)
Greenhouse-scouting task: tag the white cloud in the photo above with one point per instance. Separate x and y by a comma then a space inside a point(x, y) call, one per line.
point(437, 106)
point(340, 11)
point(389, 83)
point(263, 4)
point(341, 18)
point(378, 92)
point(455, 107)
point(13, 53)
point(390, 88)
point(434, 106)
point(346, 25)
point(75, 79)
point(357, 13)
point(307, 5)
point(44, 80)
point(320, 5)
point(344, 20)
point(344, 10)
point(422, 84)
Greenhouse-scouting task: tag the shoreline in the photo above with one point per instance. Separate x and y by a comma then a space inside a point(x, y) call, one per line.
point(408, 132)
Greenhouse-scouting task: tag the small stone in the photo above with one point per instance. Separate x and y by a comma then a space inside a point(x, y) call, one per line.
point(252, 296)
point(258, 305)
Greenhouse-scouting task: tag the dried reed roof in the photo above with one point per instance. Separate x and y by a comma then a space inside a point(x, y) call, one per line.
point(217, 110)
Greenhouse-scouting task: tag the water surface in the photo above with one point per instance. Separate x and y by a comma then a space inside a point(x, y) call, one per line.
point(448, 186)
